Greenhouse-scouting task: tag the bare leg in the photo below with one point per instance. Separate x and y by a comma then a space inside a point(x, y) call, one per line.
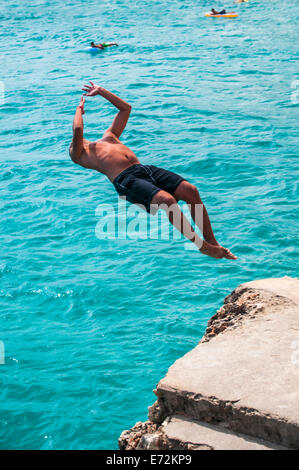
point(188, 192)
point(207, 230)
point(168, 203)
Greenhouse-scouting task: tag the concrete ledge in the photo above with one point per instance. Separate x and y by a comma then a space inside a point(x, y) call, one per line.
point(195, 435)
point(244, 374)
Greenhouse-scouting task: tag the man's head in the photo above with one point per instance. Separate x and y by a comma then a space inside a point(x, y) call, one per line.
point(92, 44)
point(213, 10)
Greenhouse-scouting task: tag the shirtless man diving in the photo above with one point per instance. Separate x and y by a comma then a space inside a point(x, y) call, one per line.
point(146, 185)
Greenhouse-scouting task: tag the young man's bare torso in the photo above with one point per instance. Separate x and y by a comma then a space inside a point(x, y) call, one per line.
point(107, 155)
point(146, 185)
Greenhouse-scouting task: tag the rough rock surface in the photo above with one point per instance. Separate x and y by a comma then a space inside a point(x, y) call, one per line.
point(243, 302)
point(242, 378)
point(136, 437)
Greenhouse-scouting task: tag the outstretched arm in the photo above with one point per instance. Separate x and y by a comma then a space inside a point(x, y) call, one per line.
point(77, 142)
point(121, 119)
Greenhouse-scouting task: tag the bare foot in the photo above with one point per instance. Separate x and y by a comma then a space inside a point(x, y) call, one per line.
point(216, 251)
point(212, 242)
point(229, 254)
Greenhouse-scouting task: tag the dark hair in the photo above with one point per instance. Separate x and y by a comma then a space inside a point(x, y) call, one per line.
point(91, 43)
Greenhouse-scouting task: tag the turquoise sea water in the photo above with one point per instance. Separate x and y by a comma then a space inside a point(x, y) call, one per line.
point(89, 326)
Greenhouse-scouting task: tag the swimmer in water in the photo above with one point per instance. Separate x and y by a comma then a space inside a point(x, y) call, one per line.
point(149, 186)
point(214, 12)
point(103, 45)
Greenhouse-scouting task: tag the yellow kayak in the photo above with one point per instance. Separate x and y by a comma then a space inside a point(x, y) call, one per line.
point(225, 15)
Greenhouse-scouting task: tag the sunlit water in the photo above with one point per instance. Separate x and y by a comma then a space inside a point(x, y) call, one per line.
point(89, 325)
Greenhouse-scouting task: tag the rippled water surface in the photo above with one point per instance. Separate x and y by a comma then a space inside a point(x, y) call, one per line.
point(89, 325)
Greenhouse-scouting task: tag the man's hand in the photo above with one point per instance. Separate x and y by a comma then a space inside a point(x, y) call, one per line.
point(81, 105)
point(92, 90)
point(124, 108)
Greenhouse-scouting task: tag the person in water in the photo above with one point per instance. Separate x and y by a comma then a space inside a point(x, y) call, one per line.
point(214, 12)
point(103, 45)
point(145, 185)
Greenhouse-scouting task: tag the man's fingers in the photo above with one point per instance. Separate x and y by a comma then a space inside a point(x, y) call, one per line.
point(91, 83)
